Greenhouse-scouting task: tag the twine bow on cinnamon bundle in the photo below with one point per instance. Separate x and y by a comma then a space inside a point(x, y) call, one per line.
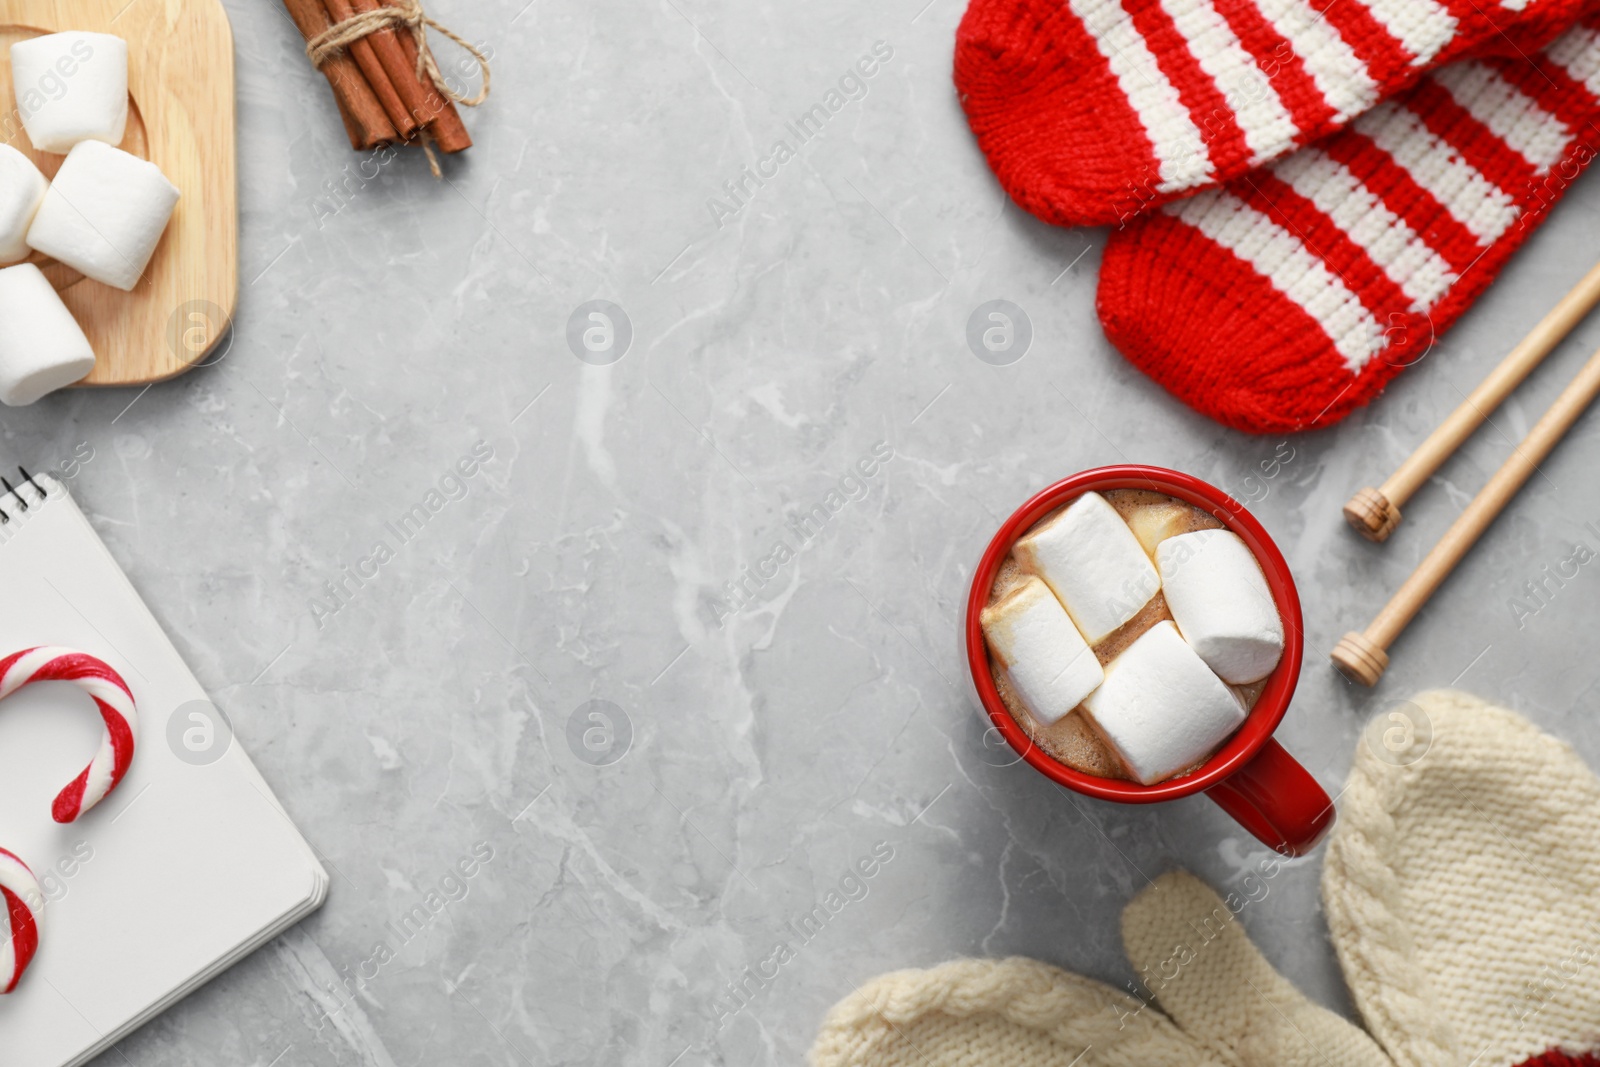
point(385, 80)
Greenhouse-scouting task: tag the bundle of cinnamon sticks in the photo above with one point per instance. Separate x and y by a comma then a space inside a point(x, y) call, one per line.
point(376, 83)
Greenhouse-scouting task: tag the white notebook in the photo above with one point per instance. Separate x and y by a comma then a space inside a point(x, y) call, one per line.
point(184, 869)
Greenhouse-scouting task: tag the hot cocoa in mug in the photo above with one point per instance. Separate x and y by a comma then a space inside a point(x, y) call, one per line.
point(1135, 635)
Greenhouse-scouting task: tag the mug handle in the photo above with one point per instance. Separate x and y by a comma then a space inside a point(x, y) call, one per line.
point(1277, 800)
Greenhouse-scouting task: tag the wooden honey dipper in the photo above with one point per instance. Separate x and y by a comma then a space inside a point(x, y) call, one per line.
point(1374, 513)
point(1363, 656)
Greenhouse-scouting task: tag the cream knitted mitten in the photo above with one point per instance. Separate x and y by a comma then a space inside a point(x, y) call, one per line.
point(1462, 888)
point(979, 1013)
point(1227, 1006)
point(1207, 975)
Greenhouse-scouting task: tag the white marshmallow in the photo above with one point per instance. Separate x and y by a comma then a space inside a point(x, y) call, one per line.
point(1220, 600)
point(1045, 657)
point(1160, 708)
point(104, 214)
point(41, 345)
point(1095, 565)
point(1154, 523)
point(71, 87)
point(21, 191)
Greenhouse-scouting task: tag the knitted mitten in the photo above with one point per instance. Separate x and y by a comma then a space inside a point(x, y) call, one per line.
point(1013, 1012)
point(1291, 296)
point(1227, 1006)
point(1462, 887)
point(1195, 958)
point(1093, 110)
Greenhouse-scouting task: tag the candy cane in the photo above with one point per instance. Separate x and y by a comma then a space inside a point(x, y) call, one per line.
point(111, 695)
point(24, 906)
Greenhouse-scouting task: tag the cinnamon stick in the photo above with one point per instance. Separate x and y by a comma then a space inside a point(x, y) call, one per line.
point(435, 109)
point(365, 121)
point(351, 129)
point(403, 75)
point(366, 58)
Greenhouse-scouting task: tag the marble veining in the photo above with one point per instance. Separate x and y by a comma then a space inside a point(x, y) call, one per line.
point(664, 746)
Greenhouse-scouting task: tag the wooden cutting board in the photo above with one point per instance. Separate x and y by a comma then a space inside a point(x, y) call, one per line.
point(180, 117)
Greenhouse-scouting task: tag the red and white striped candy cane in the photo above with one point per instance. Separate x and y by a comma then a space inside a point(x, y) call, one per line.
point(111, 695)
point(23, 902)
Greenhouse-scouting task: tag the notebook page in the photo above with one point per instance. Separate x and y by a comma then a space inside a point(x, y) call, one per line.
point(176, 869)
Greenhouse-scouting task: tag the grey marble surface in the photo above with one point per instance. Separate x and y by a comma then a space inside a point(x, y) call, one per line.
point(389, 323)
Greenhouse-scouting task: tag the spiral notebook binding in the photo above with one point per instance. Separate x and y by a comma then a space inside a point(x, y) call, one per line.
point(22, 501)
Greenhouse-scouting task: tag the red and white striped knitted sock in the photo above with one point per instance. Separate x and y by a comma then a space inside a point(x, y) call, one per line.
point(1092, 111)
point(1291, 296)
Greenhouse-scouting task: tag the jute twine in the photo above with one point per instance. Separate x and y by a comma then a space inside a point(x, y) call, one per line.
point(407, 14)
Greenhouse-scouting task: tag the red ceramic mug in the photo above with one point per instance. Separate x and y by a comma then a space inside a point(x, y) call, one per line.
point(1251, 777)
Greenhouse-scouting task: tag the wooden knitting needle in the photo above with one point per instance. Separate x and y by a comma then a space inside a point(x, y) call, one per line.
point(1363, 656)
point(1374, 513)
